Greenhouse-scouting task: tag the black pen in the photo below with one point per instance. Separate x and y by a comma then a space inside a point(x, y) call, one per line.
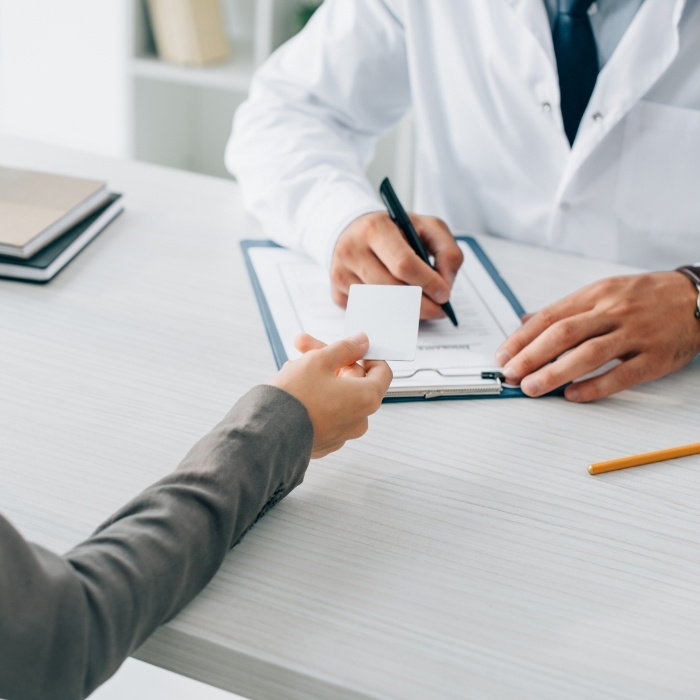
point(400, 218)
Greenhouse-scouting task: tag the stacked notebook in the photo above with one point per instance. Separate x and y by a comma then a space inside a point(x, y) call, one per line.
point(46, 219)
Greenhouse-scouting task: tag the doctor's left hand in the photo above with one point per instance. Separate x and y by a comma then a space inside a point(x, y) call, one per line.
point(645, 321)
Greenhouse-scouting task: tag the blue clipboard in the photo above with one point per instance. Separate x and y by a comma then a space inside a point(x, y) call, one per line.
point(495, 390)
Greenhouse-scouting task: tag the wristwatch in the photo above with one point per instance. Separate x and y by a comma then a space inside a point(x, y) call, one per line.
point(692, 272)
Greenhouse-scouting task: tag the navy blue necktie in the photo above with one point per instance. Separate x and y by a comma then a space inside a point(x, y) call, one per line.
point(577, 60)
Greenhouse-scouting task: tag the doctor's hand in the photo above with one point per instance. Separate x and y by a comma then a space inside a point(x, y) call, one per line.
point(372, 250)
point(645, 321)
point(338, 389)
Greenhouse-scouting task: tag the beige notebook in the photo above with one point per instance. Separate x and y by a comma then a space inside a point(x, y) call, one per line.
point(37, 207)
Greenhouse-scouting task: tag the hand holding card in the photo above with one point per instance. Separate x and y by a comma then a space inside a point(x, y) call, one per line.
point(389, 315)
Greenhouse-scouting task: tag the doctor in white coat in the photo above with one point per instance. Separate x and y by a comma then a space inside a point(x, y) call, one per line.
point(491, 89)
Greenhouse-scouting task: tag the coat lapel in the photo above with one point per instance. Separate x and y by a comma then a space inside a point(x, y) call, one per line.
point(643, 55)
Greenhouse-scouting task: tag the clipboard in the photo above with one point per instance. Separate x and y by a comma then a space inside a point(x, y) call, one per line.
point(293, 295)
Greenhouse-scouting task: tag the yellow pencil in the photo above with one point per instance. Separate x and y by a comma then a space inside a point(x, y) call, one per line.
point(646, 458)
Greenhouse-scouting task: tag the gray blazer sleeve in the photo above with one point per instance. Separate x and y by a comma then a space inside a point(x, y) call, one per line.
point(67, 623)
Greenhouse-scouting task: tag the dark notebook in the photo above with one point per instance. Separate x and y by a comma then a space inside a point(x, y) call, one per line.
point(45, 264)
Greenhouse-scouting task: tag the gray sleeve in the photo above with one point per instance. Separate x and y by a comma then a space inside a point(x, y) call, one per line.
point(67, 623)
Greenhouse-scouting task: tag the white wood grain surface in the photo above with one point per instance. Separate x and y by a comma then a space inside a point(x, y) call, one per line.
point(458, 550)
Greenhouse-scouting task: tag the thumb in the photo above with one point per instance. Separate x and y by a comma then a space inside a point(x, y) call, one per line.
point(345, 352)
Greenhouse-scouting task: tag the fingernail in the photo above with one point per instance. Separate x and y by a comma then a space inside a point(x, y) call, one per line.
point(441, 296)
point(360, 338)
point(572, 394)
point(502, 356)
point(530, 386)
point(511, 375)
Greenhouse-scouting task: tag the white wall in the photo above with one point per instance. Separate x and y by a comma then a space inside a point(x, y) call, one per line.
point(65, 79)
point(63, 72)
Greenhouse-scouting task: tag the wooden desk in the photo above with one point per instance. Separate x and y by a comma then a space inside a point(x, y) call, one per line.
point(460, 549)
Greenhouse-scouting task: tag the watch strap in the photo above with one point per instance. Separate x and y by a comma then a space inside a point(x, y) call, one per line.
point(692, 272)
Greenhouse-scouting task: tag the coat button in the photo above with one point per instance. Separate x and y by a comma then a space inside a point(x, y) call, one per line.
point(546, 106)
point(597, 117)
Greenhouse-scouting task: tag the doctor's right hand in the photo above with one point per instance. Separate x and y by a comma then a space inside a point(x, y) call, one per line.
point(338, 389)
point(372, 250)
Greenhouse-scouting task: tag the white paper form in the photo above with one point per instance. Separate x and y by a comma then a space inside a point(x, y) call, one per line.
point(298, 294)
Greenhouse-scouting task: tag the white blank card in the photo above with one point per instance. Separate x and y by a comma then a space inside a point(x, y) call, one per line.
point(389, 315)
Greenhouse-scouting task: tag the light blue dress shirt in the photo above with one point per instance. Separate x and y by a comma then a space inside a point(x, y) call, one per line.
point(609, 20)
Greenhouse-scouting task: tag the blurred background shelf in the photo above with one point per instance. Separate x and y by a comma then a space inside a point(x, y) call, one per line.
point(181, 115)
point(234, 75)
point(87, 75)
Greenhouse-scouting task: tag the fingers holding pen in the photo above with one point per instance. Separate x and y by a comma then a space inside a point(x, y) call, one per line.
point(440, 242)
point(405, 267)
point(372, 250)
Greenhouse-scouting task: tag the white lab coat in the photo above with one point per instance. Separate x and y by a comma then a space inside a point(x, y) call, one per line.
point(491, 153)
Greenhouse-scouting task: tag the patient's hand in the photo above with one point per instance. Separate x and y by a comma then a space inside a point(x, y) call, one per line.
point(338, 390)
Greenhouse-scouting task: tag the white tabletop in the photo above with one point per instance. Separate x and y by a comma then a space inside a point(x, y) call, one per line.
point(460, 549)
